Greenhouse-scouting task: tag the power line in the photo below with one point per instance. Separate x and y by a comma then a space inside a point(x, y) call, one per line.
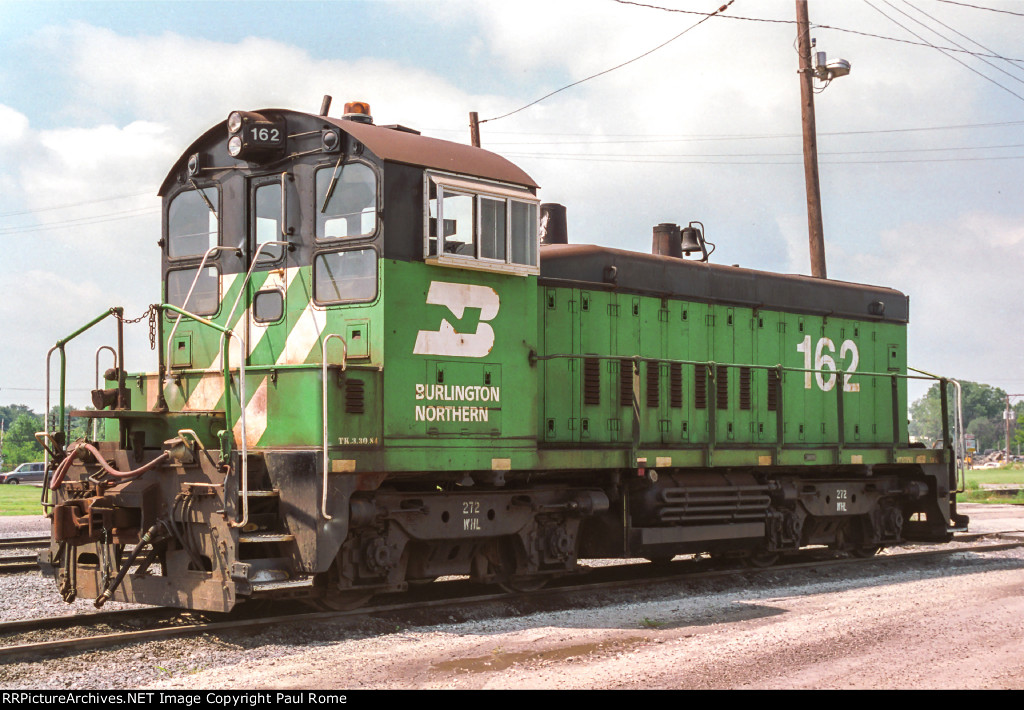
point(979, 7)
point(668, 137)
point(82, 221)
point(784, 155)
point(930, 29)
point(629, 159)
point(953, 29)
point(619, 66)
point(822, 27)
point(944, 51)
point(73, 204)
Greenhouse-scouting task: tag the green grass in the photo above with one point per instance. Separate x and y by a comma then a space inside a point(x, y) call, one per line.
point(1007, 474)
point(20, 500)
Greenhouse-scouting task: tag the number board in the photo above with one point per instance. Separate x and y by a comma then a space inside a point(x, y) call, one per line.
point(268, 135)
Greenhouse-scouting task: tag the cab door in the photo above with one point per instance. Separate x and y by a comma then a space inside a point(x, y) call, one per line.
point(266, 294)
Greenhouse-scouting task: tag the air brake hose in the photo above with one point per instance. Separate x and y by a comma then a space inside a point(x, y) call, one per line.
point(147, 539)
point(62, 468)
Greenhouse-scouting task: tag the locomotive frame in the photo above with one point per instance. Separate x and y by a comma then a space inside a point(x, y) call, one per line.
point(370, 375)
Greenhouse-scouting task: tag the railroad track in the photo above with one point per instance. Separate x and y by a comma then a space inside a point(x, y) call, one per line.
point(18, 563)
point(36, 541)
point(451, 597)
point(24, 562)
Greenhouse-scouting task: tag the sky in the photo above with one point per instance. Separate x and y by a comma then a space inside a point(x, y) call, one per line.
point(921, 151)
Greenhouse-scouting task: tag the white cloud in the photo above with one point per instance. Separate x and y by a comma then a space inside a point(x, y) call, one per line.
point(964, 282)
point(13, 126)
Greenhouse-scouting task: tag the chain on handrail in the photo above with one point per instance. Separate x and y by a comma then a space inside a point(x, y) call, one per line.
point(150, 313)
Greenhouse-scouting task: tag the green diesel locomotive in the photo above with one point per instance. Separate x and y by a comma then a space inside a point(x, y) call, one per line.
point(380, 363)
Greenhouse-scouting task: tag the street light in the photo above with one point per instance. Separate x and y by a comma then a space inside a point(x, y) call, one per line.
point(825, 71)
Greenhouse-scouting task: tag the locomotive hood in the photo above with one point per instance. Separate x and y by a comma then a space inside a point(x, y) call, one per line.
point(668, 276)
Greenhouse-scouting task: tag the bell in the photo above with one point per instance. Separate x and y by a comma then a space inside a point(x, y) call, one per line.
point(691, 239)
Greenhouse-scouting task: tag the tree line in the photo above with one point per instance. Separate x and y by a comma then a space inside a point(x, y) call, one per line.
point(984, 408)
point(20, 425)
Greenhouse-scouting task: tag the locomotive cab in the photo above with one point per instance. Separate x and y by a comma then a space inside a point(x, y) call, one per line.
point(334, 291)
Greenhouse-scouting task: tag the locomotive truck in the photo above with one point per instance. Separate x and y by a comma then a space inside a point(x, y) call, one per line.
point(381, 362)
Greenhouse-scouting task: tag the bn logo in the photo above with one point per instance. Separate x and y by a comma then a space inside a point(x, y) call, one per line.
point(457, 298)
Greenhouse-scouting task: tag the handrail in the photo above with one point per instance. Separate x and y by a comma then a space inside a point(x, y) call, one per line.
point(248, 275)
point(959, 433)
point(787, 368)
point(838, 373)
point(96, 422)
point(243, 345)
point(961, 444)
point(227, 333)
point(116, 311)
point(195, 280)
point(323, 399)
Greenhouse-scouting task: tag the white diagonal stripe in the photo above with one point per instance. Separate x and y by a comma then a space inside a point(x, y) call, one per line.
point(255, 418)
point(302, 338)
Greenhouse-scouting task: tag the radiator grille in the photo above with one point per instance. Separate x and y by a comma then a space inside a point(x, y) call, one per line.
point(355, 399)
point(675, 377)
point(700, 394)
point(653, 383)
point(744, 388)
point(626, 383)
point(591, 380)
point(721, 387)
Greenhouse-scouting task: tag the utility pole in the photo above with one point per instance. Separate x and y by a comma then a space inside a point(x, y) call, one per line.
point(474, 128)
point(1009, 421)
point(816, 232)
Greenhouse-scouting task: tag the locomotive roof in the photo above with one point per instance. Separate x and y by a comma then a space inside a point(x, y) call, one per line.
point(393, 144)
point(586, 264)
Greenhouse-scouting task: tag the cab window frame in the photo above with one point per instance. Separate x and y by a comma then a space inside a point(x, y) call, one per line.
point(437, 187)
point(329, 168)
point(327, 253)
point(178, 268)
point(204, 189)
point(271, 255)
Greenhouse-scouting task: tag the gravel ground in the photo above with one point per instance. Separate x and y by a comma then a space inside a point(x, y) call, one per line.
point(953, 626)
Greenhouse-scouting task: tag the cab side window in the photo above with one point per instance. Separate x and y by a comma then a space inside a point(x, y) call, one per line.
point(192, 223)
point(480, 225)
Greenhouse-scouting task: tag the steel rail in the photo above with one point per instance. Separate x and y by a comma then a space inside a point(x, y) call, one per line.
point(37, 541)
point(25, 652)
point(18, 563)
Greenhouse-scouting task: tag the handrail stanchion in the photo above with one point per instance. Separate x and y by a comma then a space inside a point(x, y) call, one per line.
point(195, 280)
point(227, 333)
point(59, 345)
point(95, 422)
point(323, 359)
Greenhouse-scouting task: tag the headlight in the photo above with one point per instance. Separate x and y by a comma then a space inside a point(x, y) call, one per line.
point(235, 145)
point(234, 122)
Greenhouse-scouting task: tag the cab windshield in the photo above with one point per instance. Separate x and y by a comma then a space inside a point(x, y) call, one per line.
point(346, 201)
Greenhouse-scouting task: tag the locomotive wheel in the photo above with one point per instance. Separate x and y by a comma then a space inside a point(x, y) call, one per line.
point(863, 552)
point(336, 600)
point(526, 583)
point(507, 568)
point(762, 559)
